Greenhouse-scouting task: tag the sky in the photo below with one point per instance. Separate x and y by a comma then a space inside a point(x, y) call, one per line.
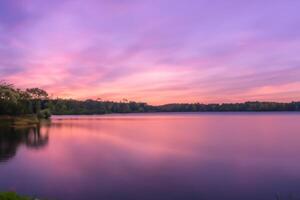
point(155, 51)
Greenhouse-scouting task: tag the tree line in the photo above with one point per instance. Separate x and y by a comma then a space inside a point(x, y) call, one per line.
point(15, 101)
point(63, 106)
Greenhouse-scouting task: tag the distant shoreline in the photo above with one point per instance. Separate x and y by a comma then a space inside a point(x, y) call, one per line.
point(92, 107)
point(35, 101)
point(176, 113)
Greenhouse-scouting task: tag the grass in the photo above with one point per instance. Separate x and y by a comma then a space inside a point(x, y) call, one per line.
point(13, 196)
point(19, 121)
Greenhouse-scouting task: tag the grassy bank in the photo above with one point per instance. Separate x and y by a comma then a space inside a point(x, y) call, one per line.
point(14, 196)
point(15, 121)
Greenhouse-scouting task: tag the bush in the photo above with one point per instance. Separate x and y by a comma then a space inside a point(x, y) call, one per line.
point(12, 196)
point(44, 114)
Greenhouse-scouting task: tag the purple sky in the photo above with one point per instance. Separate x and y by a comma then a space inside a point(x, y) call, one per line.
point(157, 51)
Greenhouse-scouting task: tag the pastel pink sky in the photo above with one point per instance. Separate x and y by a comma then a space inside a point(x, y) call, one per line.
point(155, 51)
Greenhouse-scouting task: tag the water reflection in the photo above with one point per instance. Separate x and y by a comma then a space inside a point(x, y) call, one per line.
point(159, 156)
point(12, 138)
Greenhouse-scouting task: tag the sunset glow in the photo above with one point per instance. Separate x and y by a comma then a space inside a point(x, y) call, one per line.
point(155, 51)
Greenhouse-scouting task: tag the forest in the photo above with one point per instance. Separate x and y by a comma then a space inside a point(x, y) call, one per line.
point(35, 101)
point(16, 102)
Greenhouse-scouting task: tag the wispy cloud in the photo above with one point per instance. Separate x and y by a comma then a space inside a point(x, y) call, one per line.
point(153, 51)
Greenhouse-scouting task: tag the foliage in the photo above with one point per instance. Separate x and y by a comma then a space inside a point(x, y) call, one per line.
point(70, 106)
point(231, 107)
point(36, 93)
point(17, 102)
point(74, 107)
point(12, 196)
point(44, 114)
point(35, 101)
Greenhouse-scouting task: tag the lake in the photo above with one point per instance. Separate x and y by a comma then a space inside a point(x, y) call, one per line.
point(209, 156)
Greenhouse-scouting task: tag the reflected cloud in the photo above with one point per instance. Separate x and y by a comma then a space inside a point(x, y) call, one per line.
point(155, 156)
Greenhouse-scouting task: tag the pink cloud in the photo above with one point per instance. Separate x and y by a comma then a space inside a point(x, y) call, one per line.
point(145, 51)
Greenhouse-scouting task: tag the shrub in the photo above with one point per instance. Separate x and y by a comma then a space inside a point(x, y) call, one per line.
point(44, 114)
point(12, 196)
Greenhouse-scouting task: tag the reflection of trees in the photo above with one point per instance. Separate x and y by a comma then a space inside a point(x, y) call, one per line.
point(12, 138)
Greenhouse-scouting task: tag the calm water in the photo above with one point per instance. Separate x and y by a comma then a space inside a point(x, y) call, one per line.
point(155, 156)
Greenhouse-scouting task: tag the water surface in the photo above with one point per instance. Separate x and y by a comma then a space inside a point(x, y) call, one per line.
point(208, 156)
